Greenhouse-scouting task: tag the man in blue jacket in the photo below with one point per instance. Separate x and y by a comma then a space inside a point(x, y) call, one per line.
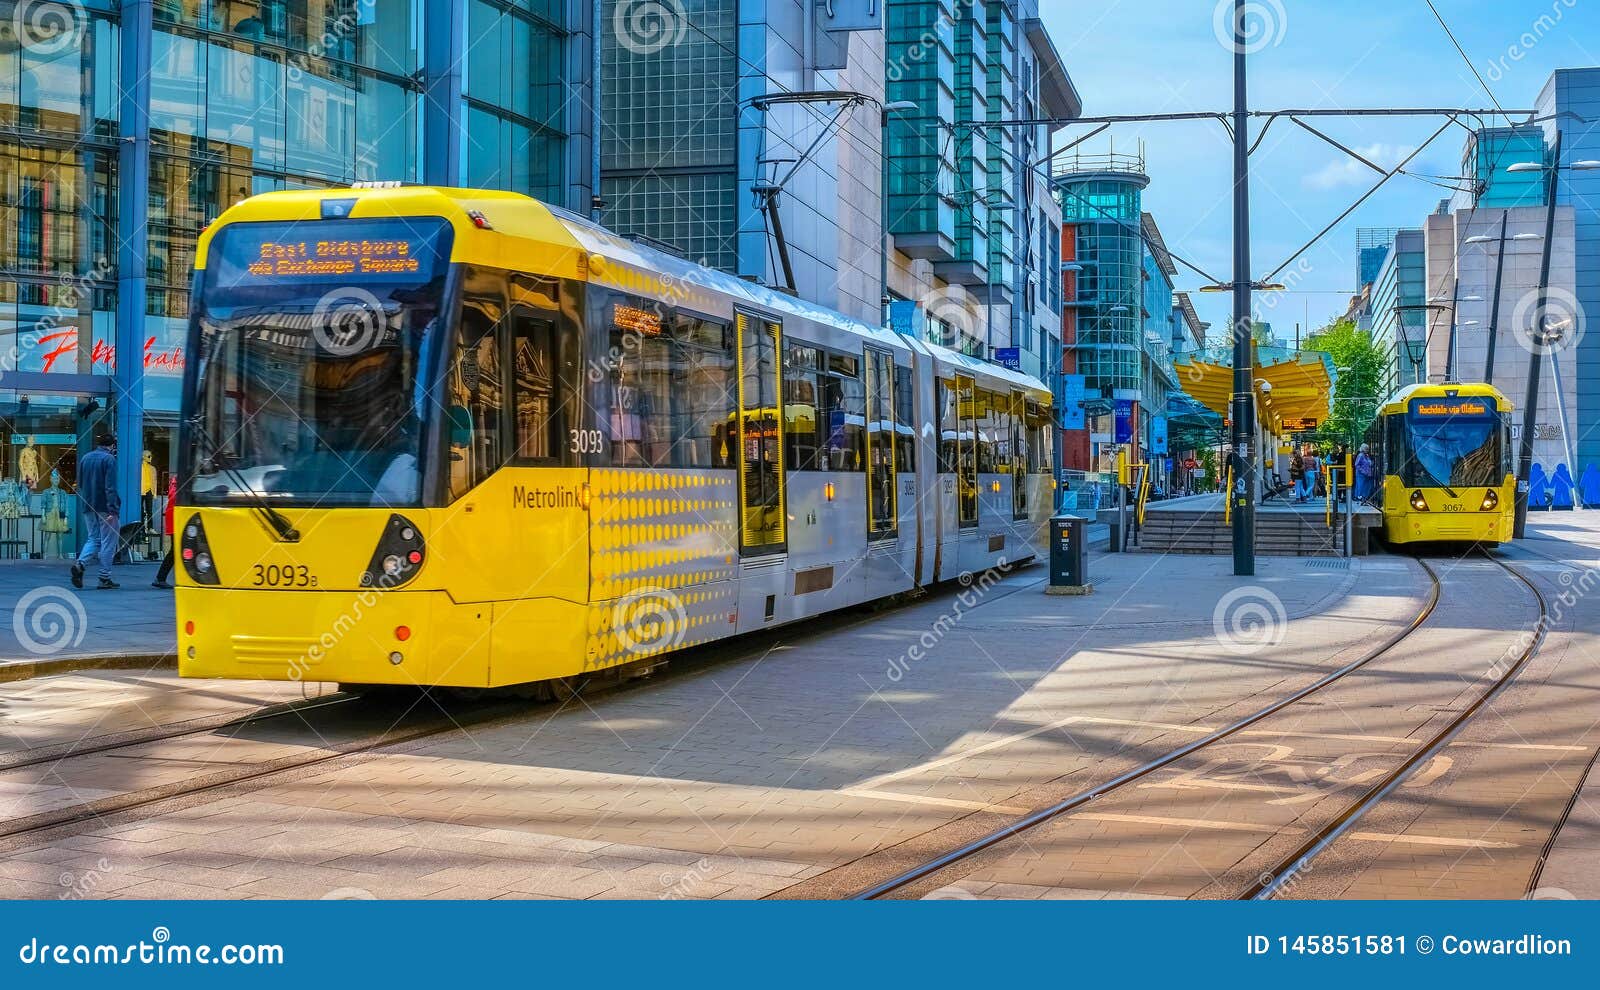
point(97, 487)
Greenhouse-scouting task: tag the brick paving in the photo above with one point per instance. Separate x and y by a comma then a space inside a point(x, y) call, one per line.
point(741, 779)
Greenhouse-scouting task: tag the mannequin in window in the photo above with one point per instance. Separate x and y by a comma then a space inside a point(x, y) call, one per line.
point(53, 504)
point(147, 489)
point(29, 464)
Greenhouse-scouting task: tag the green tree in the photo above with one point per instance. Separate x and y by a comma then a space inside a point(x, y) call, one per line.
point(1359, 362)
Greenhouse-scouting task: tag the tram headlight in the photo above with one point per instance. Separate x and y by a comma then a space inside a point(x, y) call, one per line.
point(1491, 501)
point(398, 556)
point(1418, 502)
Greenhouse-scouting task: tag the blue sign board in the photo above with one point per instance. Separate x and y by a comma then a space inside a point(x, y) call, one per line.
point(1123, 430)
point(1009, 357)
point(905, 318)
point(1158, 435)
point(1072, 388)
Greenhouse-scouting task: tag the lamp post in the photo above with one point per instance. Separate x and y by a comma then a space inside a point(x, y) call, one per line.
point(1243, 405)
point(1539, 332)
point(1499, 281)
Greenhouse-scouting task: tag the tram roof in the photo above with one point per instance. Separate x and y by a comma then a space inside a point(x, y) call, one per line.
point(1400, 401)
point(571, 246)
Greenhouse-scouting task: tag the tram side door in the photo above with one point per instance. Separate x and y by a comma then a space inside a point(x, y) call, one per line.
point(882, 511)
point(762, 528)
point(967, 452)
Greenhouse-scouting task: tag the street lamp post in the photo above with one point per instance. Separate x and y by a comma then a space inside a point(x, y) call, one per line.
point(1243, 405)
point(1494, 307)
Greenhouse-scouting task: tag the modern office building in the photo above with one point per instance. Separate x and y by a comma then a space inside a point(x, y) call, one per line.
point(1570, 104)
point(1399, 323)
point(1466, 245)
point(1118, 316)
point(126, 129)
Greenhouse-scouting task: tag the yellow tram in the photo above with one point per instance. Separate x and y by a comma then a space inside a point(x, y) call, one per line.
point(454, 437)
point(1446, 457)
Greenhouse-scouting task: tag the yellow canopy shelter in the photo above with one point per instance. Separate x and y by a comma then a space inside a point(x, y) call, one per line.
point(1294, 389)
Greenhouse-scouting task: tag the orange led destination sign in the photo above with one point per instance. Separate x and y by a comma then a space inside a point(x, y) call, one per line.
point(1461, 407)
point(647, 322)
point(321, 258)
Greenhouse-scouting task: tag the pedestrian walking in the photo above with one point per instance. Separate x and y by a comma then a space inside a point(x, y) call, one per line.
point(97, 487)
point(172, 536)
point(1366, 474)
point(1297, 473)
point(1313, 474)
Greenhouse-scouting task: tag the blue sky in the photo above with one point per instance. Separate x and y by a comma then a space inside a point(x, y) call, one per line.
point(1155, 56)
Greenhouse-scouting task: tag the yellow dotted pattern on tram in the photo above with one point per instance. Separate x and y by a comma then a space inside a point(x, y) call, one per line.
point(677, 291)
point(665, 550)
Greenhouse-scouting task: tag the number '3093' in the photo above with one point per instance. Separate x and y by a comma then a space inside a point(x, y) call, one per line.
point(284, 576)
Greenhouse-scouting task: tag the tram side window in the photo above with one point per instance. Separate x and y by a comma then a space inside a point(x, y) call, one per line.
point(905, 430)
point(801, 402)
point(540, 399)
point(1041, 445)
point(949, 427)
point(825, 406)
point(477, 392)
point(637, 390)
point(880, 442)
point(991, 423)
point(703, 400)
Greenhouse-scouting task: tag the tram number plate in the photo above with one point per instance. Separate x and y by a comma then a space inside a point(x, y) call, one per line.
point(1454, 507)
point(283, 576)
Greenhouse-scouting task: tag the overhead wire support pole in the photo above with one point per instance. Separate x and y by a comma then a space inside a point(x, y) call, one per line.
point(1540, 340)
point(1243, 405)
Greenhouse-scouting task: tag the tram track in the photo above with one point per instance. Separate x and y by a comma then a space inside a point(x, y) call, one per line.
point(19, 831)
point(1271, 881)
point(93, 810)
point(113, 741)
point(1266, 881)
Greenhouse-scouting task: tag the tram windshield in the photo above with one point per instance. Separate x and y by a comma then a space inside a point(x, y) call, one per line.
point(1453, 443)
point(313, 339)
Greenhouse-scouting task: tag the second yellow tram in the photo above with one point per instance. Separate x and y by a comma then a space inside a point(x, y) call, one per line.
point(1446, 457)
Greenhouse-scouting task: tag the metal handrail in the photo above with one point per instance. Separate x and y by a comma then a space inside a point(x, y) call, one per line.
point(1144, 491)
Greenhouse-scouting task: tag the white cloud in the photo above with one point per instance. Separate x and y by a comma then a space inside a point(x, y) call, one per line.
point(1349, 172)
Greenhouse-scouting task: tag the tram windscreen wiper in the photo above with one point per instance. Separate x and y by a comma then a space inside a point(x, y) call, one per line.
point(275, 520)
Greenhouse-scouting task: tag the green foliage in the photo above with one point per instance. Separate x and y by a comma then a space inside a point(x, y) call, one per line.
point(1360, 363)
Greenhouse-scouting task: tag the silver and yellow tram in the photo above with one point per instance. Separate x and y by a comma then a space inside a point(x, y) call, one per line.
point(452, 437)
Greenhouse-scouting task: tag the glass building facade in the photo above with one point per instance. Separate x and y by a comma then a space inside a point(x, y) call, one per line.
point(1399, 323)
point(670, 148)
point(1104, 205)
point(104, 190)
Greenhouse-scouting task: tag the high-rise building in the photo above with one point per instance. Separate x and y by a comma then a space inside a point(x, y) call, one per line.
point(126, 128)
point(1399, 322)
point(1464, 262)
point(1570, 103)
